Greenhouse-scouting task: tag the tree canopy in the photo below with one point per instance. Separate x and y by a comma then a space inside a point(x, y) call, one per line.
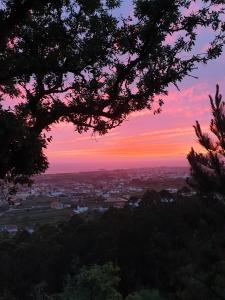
point(96, 282)
point(77, 61)
point(164, 251)
point(208, 168)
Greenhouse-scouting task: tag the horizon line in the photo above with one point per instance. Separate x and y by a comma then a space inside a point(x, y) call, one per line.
point(111, 169)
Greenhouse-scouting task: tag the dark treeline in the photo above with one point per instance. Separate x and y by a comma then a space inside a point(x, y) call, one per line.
point(176, 249)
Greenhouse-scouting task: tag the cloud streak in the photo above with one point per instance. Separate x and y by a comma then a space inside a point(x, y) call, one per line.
point(151, 144)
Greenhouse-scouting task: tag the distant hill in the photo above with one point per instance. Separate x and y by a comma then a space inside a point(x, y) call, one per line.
point(166, 172)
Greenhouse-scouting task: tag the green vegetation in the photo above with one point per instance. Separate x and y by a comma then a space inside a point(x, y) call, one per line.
point(173, 250)
point(96, 282)
point(32, 217)
point(145, 295)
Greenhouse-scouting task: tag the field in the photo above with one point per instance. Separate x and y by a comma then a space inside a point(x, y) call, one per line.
point(31, 217)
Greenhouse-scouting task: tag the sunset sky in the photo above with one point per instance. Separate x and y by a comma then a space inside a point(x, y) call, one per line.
point(144, 140)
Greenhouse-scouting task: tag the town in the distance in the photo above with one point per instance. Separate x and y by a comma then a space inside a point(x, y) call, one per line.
point(56, 197)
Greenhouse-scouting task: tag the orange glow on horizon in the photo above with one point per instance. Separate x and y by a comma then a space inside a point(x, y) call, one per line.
point(169, 143)
point(142, 140)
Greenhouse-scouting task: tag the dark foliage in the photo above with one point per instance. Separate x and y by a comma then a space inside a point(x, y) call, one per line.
point(176, 248)
point(208, 169)
point(73, 61)
point(21, 151)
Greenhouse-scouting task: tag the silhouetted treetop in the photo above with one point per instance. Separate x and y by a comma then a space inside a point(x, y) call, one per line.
point(208, 168)
point(77, 61)
point(74, 61)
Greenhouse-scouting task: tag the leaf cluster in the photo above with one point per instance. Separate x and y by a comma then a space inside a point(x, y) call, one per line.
point(208, 168)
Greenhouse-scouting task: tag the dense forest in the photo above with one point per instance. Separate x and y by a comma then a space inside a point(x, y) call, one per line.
point(155, 251)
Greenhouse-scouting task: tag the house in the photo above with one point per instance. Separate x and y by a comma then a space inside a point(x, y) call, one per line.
point(2, 228)
point(56, 193)
point(166, 197)
point(30, 230)
point(172, 190)
point(66, 202)
point(135, 204)
point(56, 205)
point(102, 209)
point(80, 209)
point(9, 228)
point(118, 202)
point(186, 192)
point(22, 195)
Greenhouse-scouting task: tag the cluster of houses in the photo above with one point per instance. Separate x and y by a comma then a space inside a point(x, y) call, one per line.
point(102, 205)
point(13, 229)
point(91, 192)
